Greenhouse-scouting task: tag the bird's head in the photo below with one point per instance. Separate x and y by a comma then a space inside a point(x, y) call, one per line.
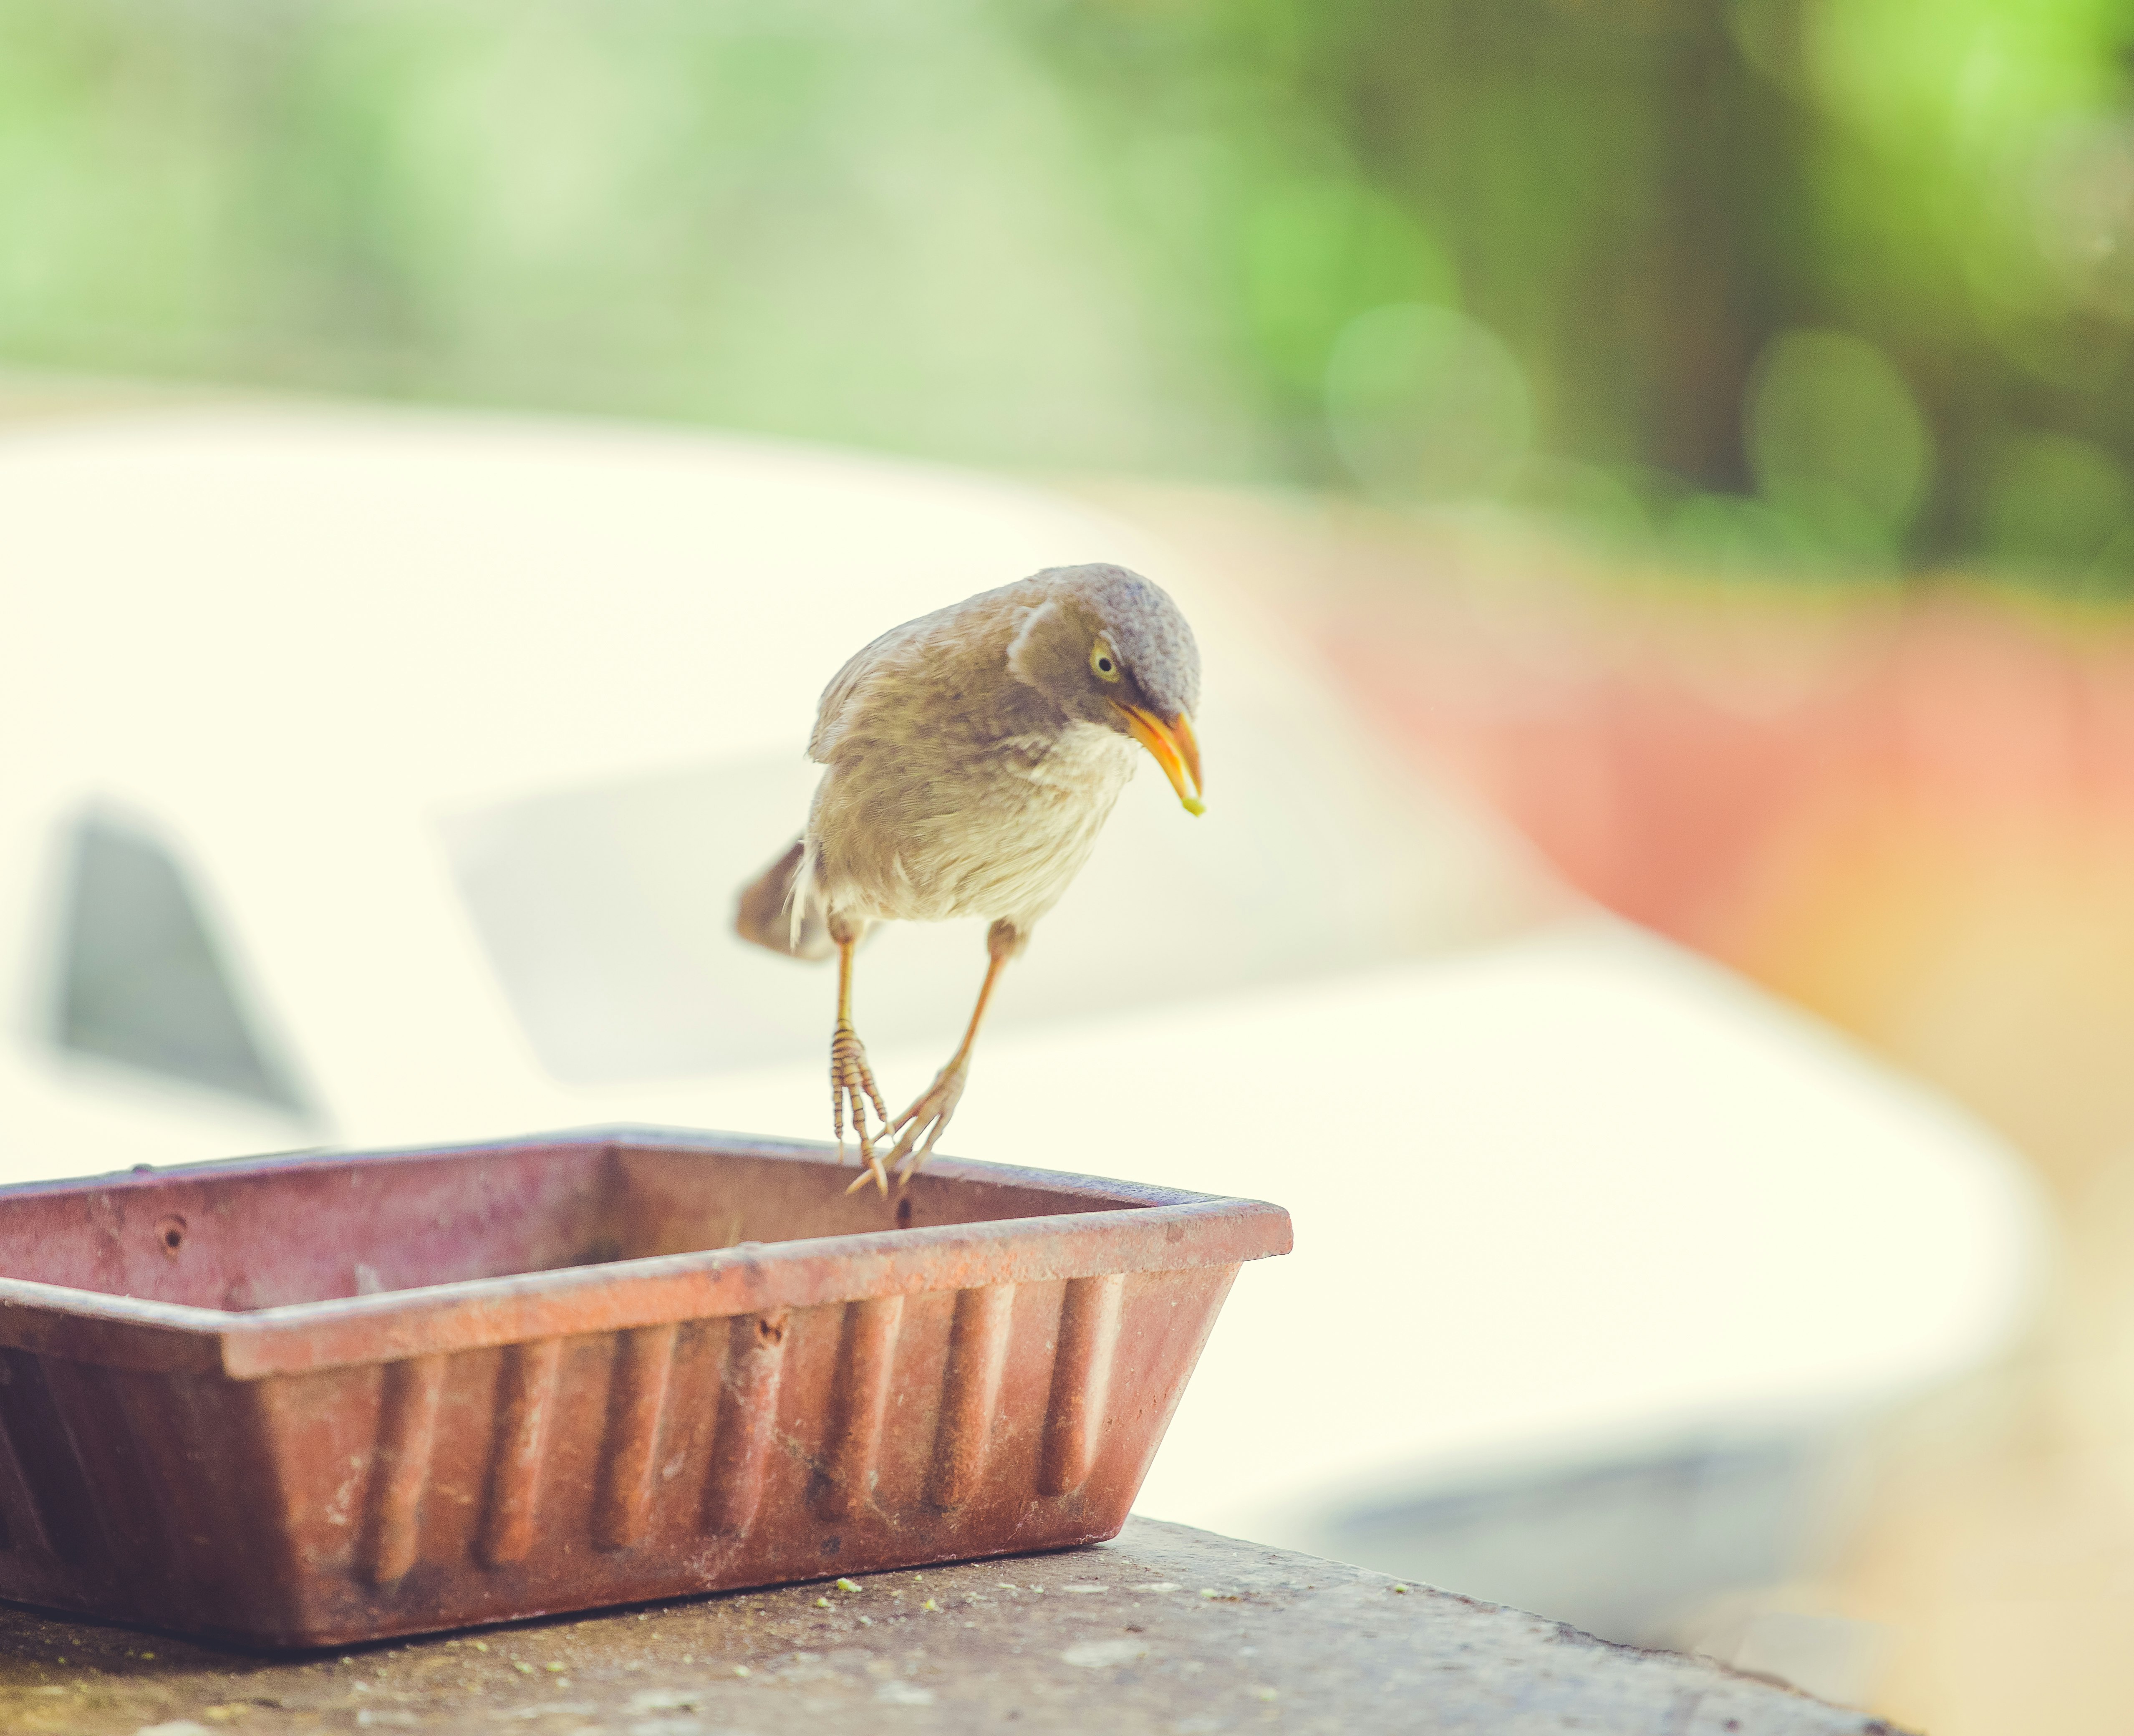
point(1111, 649)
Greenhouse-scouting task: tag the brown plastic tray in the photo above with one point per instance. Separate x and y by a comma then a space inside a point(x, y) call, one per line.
point(313, 1400)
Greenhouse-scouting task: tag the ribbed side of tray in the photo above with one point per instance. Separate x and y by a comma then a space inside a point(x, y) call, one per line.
point(564, 1472)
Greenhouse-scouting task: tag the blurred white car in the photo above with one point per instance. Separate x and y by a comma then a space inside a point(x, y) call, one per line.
point(402, 769)
point(380, 777)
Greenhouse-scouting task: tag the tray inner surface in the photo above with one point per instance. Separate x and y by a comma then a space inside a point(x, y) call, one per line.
point(312, 1230)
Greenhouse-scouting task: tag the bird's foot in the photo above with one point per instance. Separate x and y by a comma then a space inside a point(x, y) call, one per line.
point(927, 1117)
point(851, 1080)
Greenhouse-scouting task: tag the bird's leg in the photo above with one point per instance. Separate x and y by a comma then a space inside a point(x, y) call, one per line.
point(851, 1080)
point(930, 1116)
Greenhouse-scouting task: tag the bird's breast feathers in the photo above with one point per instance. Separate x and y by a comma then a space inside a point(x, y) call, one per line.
point(935, 831)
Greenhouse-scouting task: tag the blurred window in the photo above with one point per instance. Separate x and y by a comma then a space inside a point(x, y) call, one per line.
point(142, 981)
point(608, 911)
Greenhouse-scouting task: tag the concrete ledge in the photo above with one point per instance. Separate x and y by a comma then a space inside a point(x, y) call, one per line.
point(1165, 1630)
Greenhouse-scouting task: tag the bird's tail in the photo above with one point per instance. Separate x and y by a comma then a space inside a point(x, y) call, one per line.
point(766, 912)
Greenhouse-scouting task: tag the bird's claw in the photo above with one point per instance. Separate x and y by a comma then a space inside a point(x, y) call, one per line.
point(851, 1080)
point(927, 1117)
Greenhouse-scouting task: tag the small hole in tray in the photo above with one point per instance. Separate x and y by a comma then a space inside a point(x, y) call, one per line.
point(904, 1214)
point(171, 1233)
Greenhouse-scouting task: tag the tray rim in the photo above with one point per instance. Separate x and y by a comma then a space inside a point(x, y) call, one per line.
point(1138, 1227)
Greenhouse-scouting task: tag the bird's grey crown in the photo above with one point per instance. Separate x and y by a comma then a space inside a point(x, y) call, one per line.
point(1142, 624)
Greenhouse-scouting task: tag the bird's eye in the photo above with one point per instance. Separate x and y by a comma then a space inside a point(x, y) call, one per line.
point(1102, 663)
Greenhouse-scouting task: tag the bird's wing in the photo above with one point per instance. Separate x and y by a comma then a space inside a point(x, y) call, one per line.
point(986, 616)
point(837, 696)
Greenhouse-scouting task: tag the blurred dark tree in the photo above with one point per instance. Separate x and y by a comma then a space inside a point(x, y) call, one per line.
point(1608, 185)
point(1647, 201)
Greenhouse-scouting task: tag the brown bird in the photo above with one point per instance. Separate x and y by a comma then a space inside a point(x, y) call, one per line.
point(973, 757)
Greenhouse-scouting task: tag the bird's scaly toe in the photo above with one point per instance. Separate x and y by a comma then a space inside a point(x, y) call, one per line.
point(926, 1120)
point(852, 1081)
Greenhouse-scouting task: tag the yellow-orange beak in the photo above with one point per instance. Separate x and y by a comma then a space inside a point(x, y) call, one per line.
point(1170, 743)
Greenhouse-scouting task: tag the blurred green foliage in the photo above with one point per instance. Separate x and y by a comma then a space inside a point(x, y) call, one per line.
point(1772, 284)
point(1825, 283)
point(865, 221)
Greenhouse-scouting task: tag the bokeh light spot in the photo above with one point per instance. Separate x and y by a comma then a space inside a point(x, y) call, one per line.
point(1835, 439)
point(2061, 508)
point(1426, 404)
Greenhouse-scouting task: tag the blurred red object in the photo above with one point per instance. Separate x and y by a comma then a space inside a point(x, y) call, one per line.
point(1912, 811)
